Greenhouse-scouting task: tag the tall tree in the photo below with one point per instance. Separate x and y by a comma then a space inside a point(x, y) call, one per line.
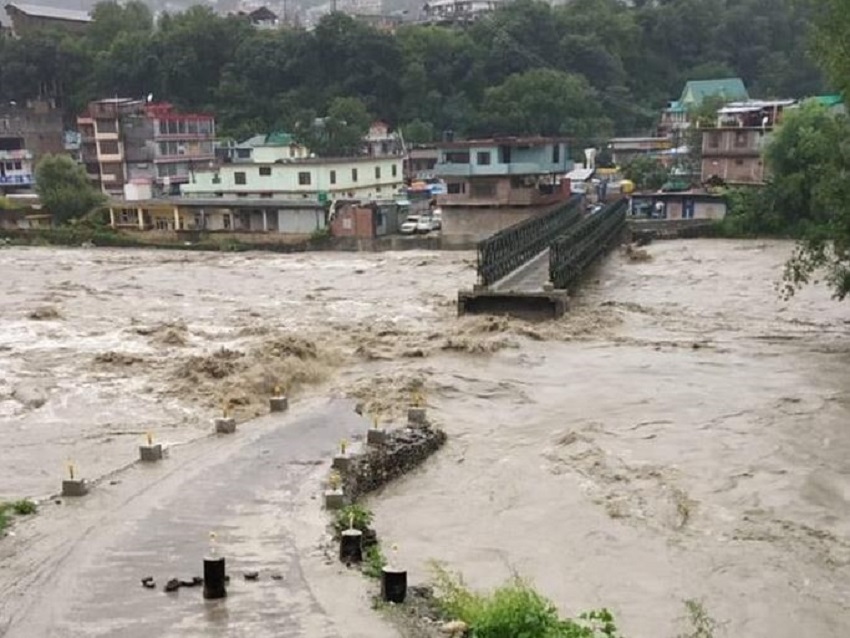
point(64, 189)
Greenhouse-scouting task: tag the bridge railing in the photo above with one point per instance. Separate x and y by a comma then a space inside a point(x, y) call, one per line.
point(575, 250)
point(507, 250)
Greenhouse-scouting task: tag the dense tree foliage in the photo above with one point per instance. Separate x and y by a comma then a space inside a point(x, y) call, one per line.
point(584, 69)
point(64, 189)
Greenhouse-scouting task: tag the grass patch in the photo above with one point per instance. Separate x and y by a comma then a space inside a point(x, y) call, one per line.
point(352, 516)
point(514, 610)
point(701, 624)
point(23, 507)
point(374, 562)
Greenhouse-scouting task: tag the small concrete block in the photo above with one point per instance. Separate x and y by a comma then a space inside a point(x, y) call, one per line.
point(334, 499)
point(150, 453)
point(278, 404)
point(376, 437)
point(548, 286)
point(225, 425)
point(341, 462)
point(75, 487)
point(417, 416)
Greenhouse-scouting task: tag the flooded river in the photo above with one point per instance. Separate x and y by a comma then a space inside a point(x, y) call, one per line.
point(682, 434)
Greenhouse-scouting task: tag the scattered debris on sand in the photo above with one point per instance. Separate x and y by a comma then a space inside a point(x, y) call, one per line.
point(45, 313)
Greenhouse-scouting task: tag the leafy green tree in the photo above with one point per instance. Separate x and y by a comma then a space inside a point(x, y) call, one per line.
point(543, 102)
point(340, 134)
point(418, 132)
point(809, 195)
point(647, 173)
point(64, 189)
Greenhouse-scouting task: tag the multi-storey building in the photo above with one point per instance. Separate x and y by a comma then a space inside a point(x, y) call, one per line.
point(147, 147)
point(27, 18)
point(26, 134)
point(492, 184)
point(732, 150)
point(456, 12)
point(277, 167)
point(676, 117)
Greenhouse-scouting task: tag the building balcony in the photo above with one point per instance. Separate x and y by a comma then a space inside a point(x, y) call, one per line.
point(493, 170)
point(111, 158)
point(16, 180)
point(21, 154)
point(748, 151)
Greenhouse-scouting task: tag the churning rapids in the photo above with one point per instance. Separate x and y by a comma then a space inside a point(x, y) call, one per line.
point(682, 433)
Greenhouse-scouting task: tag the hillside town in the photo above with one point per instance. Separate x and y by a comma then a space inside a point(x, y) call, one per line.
point(164, 169)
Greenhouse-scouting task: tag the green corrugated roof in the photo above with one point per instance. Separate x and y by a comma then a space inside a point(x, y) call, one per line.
point(279, 138)
point(828, 100)
point(731, 89)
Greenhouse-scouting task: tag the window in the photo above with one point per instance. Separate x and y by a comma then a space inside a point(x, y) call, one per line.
point(192, 127)
point(714, 140)
point(505, 154)
point(483, 158)
point(163, 127)
point(304, 179)
point(265, 171)
point(107, 126)
point(556, 153)
point(239, 178)
point(455, 188)
point(483, 190)
point(243, 153)
point(108, 148)
point(17, 165)
point(740, 139)
point(204, 127)
point(333, 177)
point(353, 174)
point(377, 172)
point(172, 127)
point(395, 170)
point(457, 157)
point(377, 189)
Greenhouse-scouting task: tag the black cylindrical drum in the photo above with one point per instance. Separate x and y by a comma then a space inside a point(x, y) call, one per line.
point(351, 546)
point(393, 585)
point(214, 577)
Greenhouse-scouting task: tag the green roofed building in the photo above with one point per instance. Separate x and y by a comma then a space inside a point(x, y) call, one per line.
point(675, 116)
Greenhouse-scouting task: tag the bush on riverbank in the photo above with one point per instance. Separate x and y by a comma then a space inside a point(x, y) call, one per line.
point(515, 610)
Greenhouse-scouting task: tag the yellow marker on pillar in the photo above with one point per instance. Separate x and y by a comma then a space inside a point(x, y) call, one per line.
point(277, 391)
point(149, 437)
point(343, 446)
point(71, 470)
point(351, 521)
point(334, 480)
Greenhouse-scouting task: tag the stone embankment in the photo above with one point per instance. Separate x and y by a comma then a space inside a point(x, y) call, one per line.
point(402, 450)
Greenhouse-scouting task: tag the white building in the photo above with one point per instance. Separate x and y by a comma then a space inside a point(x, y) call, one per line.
point(279, 168)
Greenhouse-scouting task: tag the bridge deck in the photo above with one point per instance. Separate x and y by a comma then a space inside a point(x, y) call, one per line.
point(529, 277)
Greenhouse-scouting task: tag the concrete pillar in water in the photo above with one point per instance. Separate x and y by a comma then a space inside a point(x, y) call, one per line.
point(215, 577)
point(225, 425)
point(393, 585)
point(278, 404)
point(417, 415)
point(334, 499)
point(351, 546)
point(150, 453)
point(75, 487)
point(376, 437)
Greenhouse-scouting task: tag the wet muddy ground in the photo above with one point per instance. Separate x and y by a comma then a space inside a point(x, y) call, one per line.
point(682, 433)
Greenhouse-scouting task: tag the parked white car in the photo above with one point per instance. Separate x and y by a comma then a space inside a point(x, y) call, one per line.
point(410, 225)
point(425, 225)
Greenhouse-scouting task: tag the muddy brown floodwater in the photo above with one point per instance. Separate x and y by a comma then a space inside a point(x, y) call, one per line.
point(681, 433)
